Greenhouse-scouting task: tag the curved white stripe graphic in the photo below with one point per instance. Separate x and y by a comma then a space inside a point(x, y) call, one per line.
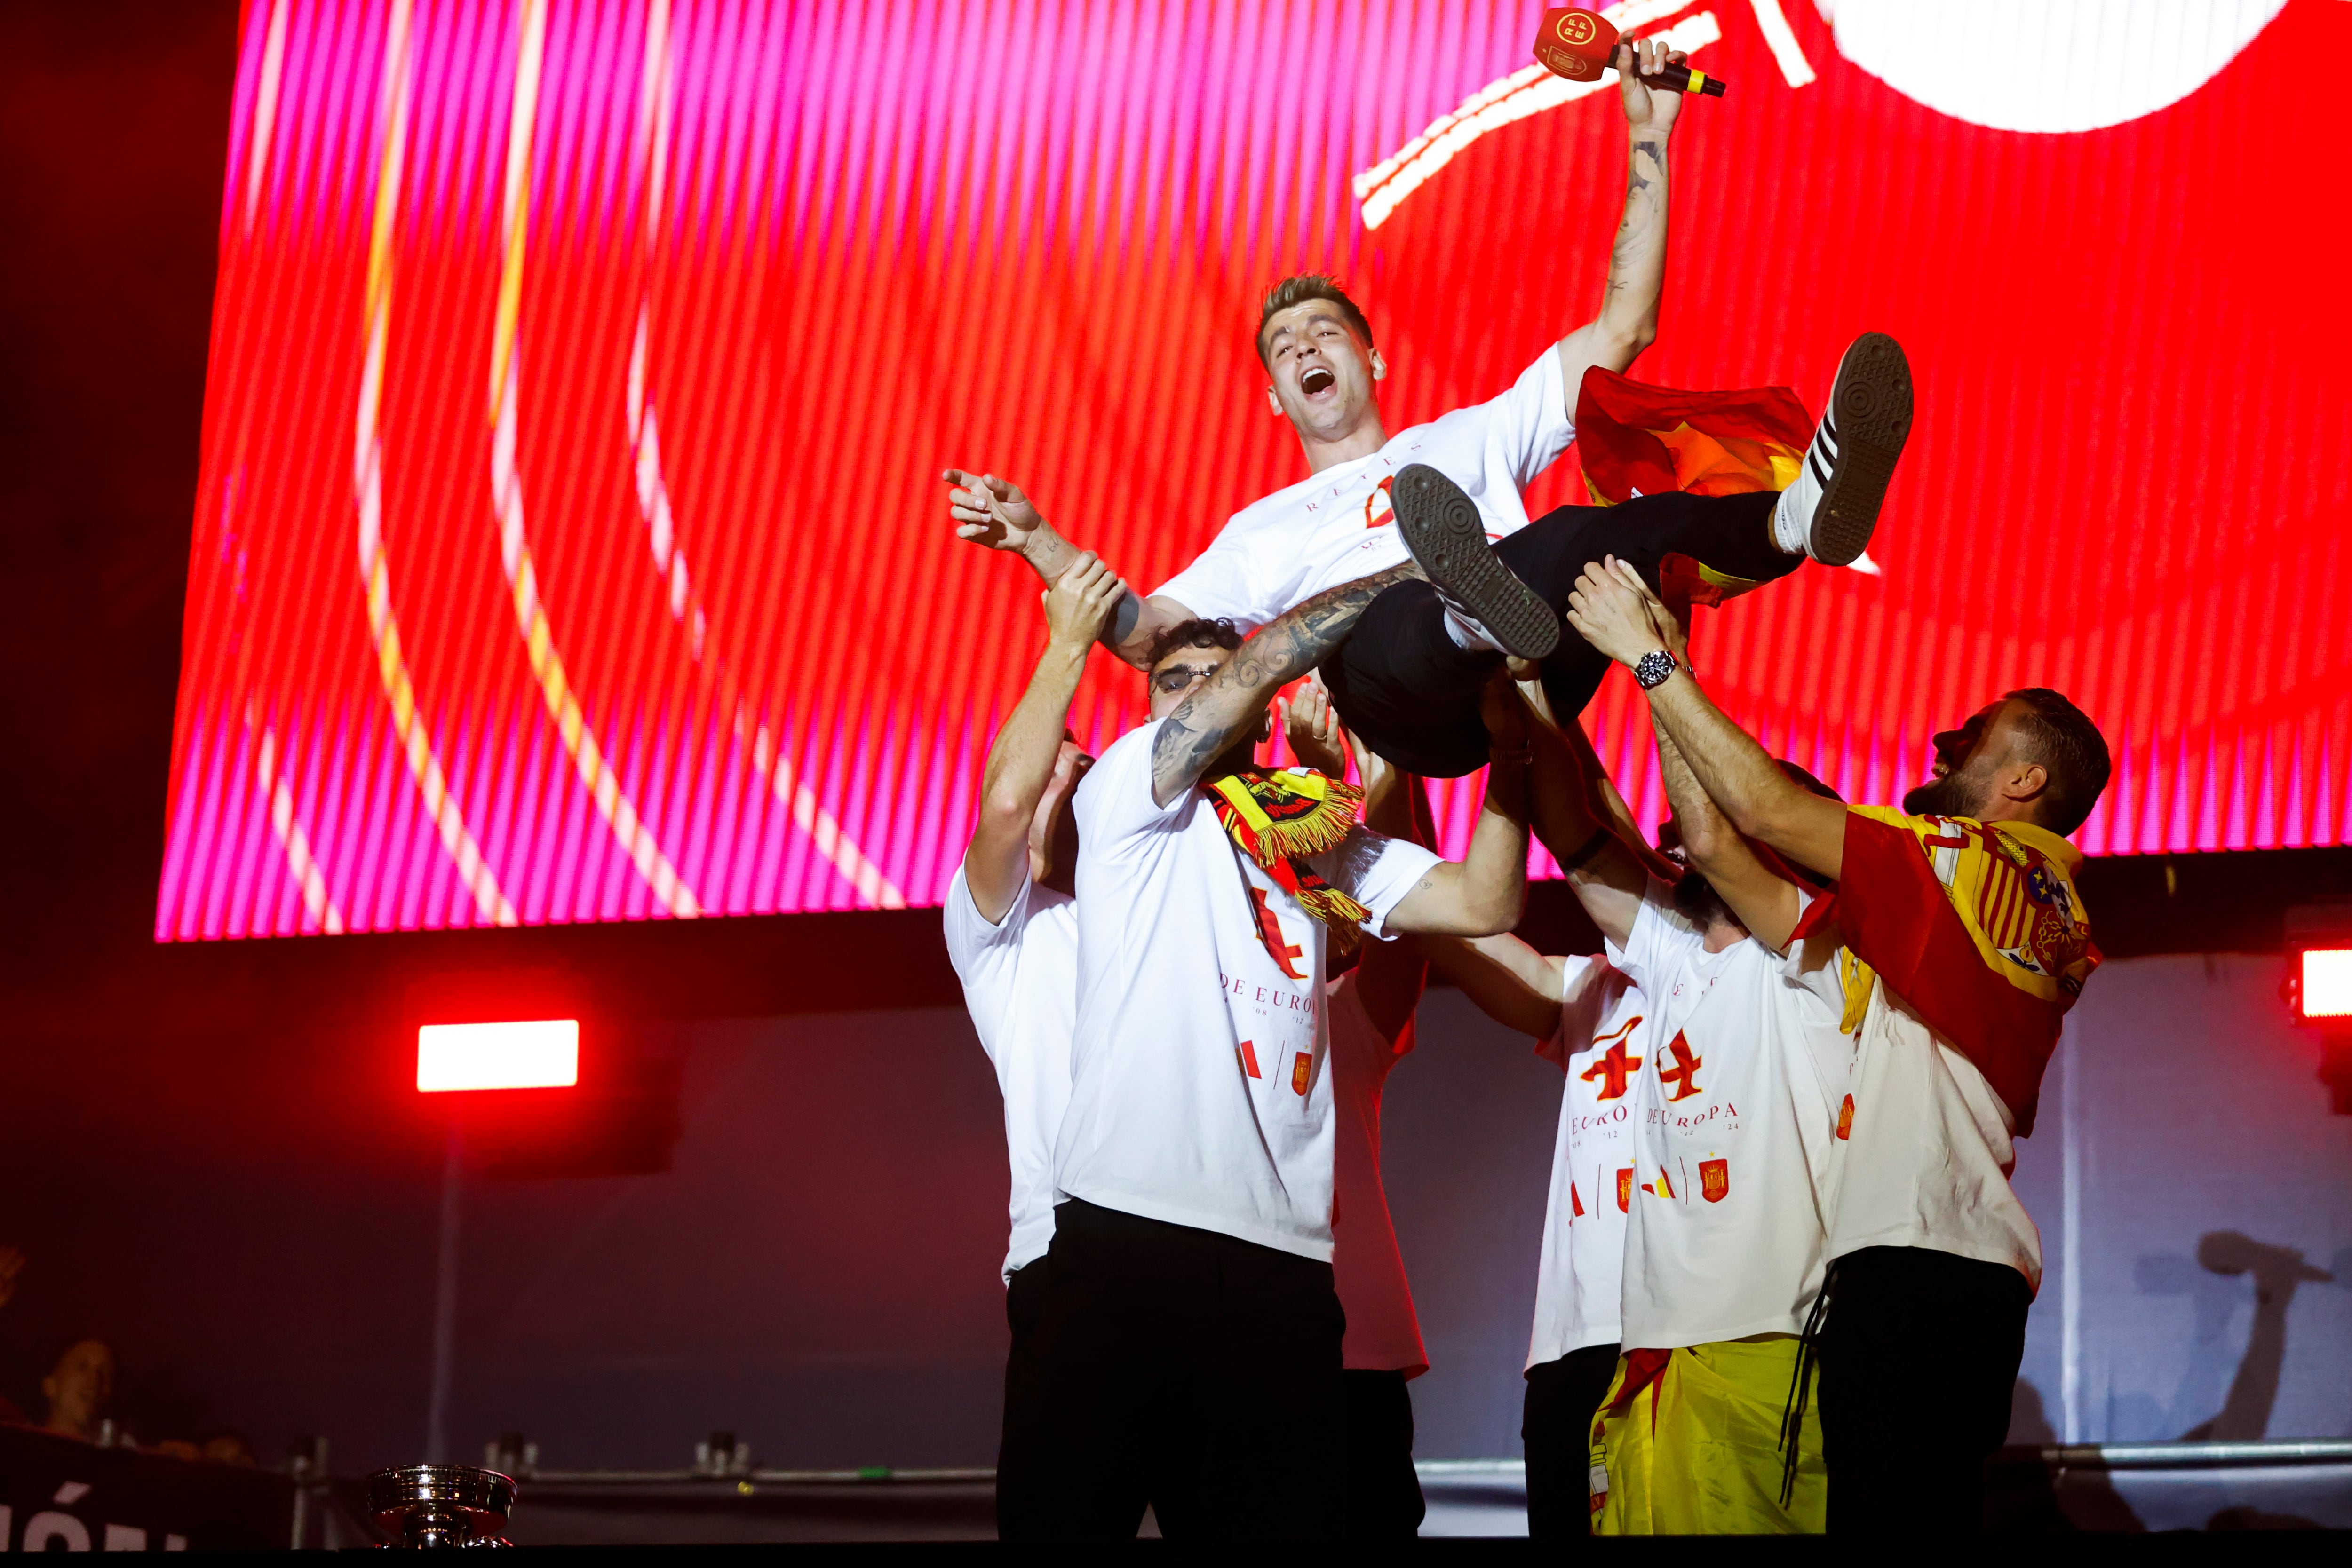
point(686, 607)
point(317, 902)
point(265, 108)
point(1781, 39)
point(588, 758)
point(1528, 92)
point(277, 795)
point(367, 485)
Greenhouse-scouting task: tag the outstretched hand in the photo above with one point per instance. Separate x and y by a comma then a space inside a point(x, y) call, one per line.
point(991, 511)
point(1612, 616)
point(1312, 726)
point(1648, 107)
point(1671, 625)
point(1079, 604)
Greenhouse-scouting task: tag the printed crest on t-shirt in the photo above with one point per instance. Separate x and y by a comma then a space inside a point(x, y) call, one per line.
point(1715, 1179)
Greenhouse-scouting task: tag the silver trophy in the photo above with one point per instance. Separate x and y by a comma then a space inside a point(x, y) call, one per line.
point(441, 1505)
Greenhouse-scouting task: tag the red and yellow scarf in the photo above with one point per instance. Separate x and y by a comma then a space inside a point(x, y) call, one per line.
point(1280, 817)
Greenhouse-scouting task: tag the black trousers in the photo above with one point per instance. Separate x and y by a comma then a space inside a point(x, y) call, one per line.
point(1383, 1493)
point(1187, 1370)
point(1024, 1310)
point(1401, 684)
point(1556, 1427)
point(1918, 1354)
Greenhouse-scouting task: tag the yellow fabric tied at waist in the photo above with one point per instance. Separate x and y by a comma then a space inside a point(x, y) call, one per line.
point(1696, 1450)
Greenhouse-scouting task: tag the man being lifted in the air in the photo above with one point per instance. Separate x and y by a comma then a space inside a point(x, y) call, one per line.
point(1408, 681)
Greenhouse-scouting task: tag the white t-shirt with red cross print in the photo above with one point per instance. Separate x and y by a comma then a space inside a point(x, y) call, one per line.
point(1338, 527)
point(1735, 1135)
point(1200, 1089)
point(1602, 1043)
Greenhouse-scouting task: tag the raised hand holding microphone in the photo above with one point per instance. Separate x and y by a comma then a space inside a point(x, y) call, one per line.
point(1579, 44)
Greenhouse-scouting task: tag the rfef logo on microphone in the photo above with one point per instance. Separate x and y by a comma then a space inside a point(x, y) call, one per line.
point(1575, 44)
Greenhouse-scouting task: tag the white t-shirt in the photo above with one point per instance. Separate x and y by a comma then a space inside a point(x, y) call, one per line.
point(1337, 526)
point(1928, 1150)
point(1602, 1043)
point(1198, 1088)
point(1383, 1332)
point(1020, 984)
point(1735, 1132)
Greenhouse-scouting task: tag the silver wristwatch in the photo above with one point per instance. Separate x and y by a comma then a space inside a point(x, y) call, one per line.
point(1653, 668)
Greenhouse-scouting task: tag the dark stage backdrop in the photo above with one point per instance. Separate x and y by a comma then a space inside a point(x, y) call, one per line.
point(818, 1271)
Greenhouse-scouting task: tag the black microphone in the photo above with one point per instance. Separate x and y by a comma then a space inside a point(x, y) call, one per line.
point(1682, 79)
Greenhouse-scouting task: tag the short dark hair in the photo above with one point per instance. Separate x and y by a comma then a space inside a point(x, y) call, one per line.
point(1299, 290)
point(2062, 737)
point(1197, 633)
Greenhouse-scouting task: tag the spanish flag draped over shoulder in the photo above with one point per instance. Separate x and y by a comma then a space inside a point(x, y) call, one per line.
point(1977, 927)
point(1635, 439)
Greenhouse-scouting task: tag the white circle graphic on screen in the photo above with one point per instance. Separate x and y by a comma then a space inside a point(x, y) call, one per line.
point(2046, 65)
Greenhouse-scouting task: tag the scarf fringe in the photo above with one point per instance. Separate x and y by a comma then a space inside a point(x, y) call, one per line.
point(1285, 815)
point(1278, 820)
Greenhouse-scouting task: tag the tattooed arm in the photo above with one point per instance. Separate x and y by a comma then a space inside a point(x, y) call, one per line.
point(1628, 322)
point(1228, 706)
point(996, 514)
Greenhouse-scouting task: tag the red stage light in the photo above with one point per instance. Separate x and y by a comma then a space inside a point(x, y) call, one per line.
point(540, 1054)
point(2325, 991)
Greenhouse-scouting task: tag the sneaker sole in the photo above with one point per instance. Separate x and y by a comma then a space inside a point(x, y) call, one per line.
point(1872, 406)
point(1442, 528)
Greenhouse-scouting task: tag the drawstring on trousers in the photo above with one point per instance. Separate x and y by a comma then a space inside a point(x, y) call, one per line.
point(1792, 1413)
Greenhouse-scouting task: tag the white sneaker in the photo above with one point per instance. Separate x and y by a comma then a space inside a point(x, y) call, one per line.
point(1831, 508)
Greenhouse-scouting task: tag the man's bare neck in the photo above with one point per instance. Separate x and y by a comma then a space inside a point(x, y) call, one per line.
point(1361, 442)
point(1723, 935)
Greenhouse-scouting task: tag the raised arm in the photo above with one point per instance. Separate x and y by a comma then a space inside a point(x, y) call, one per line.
point(1582, 821)
point(1628, 321)
point(1229, 703)
point(1482, 894)
point(997, 514)
point(1614, 612)
point(1020, 758)
point(1390, 976)
point(1759, 897)
point(1507, 980)
point(1510, 981)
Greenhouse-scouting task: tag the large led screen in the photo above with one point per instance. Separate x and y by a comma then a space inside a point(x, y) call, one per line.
point(570, 544)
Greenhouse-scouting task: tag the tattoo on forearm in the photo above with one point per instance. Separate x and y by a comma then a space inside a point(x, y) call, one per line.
point(1122, 622)
point(1048, 552)
point(1209, 721)
point(1644, 201)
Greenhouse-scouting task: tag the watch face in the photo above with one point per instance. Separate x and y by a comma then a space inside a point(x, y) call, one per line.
point(1652, 669)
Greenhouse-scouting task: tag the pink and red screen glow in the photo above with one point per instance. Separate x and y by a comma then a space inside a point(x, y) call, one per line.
point(569, 544)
